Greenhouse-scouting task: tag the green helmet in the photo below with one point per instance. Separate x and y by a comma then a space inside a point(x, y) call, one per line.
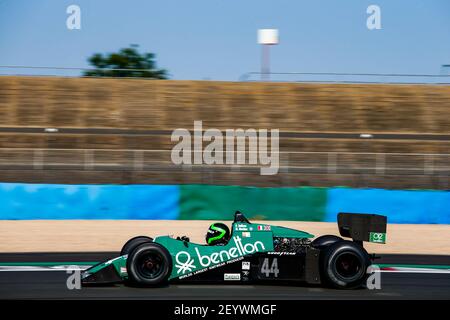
point(218, 234)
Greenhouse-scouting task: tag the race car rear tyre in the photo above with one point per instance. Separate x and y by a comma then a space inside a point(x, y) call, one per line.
point(149, 264)
point(133, 243)
point(324, 241)
point(344, 265)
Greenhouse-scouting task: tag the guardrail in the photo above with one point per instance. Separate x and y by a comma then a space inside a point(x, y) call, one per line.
point(346, 77)
point(310, 77)
point(160, 160)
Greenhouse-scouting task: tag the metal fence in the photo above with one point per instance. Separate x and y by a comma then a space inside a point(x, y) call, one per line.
point(345, 77)
point(309, 77)
point(289, 162)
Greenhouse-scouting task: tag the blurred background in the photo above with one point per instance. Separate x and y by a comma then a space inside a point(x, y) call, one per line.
point(90, 93)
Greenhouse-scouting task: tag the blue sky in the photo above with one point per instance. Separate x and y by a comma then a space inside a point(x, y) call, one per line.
point(216, 39)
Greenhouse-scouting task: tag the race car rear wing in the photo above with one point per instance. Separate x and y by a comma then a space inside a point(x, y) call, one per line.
point(363, 227)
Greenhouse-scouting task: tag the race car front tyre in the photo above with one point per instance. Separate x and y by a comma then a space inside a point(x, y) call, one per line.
point(344, 265)
point(133, 243)
point(149, 264)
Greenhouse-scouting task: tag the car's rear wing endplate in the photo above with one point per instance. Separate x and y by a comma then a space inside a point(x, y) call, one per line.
point(363, 227)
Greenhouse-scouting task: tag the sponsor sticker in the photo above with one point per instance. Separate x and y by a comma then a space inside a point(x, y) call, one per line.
point(186, 262)
point(246, 234)
point(232, 276)
point(264, 228)
point(377, 237)
point(282, 253)
point(241, 227)
point(245, 265)
point(123, 270)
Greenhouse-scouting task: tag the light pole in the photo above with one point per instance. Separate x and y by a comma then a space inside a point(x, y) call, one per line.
point(266, 38)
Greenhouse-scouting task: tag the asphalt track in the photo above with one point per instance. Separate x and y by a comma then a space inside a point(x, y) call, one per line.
point(51, 284)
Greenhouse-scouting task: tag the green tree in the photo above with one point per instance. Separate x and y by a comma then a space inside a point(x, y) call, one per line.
point(130, 63)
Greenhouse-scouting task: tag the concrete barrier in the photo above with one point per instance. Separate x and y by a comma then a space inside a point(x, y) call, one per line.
point(204, 202)
point(20, 201)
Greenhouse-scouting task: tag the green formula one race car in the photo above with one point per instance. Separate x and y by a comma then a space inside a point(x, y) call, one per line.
point(251, 252)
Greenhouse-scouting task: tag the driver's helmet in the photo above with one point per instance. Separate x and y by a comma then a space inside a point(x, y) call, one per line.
point(218, 234)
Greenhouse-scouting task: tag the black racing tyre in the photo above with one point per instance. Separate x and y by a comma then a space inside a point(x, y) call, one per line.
point(149, 264)
point(133, 243)
point(344, 265)
point(324, 241)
